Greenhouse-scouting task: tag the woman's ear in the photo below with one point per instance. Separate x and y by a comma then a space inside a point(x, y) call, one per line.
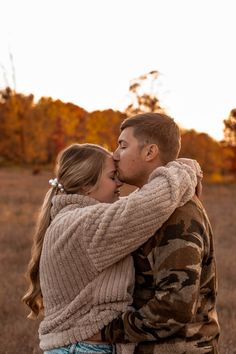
point(152, 152)
point(86, 190)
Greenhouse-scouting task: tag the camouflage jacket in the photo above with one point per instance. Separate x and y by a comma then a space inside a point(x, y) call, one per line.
point(175, 289)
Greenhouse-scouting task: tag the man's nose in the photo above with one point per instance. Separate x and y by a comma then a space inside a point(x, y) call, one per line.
point(116, 155)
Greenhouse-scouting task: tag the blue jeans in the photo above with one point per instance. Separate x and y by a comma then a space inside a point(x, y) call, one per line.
point(84, 348)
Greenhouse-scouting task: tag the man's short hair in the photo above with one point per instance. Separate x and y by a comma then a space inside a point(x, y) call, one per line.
point(156, 128)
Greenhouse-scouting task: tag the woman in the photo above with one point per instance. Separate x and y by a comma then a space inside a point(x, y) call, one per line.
point(80, 265)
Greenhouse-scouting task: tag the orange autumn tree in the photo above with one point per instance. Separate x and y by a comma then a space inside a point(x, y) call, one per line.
point(15, 117)
point(207, 151)
point(230, 139)
point(103, 127)
point(230, 128)
point(56, 125)
point(34, 133)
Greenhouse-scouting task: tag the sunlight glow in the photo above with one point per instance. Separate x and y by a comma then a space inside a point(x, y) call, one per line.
point(87, 52)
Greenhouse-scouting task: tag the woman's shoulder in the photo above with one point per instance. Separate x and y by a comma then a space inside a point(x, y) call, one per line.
point(64, 203)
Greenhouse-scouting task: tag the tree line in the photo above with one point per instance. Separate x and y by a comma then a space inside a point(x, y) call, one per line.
point(33, 133)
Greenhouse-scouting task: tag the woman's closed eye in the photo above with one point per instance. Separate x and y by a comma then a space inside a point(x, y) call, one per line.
point(113, 175)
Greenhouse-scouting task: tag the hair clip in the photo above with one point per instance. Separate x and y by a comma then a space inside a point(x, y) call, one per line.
point(55, 184)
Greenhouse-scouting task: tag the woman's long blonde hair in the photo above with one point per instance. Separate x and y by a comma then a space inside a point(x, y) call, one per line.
point(78, 168)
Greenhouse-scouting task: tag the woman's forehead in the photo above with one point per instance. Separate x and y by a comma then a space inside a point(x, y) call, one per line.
point(110, 164)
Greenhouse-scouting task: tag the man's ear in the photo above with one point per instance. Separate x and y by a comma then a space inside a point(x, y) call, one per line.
point(151, 152)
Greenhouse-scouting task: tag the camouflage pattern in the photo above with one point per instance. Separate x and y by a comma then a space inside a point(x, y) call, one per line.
point(175, 289)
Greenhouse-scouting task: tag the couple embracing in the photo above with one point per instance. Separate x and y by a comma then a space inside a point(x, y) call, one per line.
point(134, 274)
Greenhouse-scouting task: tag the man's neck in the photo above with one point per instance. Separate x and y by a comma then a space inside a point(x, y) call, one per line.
point(150, 169)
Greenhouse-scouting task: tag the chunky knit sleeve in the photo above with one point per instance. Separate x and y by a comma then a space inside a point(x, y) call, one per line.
point(111, 231)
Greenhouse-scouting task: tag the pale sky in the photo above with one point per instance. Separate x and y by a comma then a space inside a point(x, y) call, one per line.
point(87, 52)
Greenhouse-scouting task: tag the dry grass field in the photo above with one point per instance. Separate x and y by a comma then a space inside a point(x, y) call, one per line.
point(21, 194)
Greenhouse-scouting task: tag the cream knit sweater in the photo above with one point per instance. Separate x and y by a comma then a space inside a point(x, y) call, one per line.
point(86, 276)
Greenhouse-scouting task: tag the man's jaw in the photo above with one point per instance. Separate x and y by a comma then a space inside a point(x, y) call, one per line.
point(123, 179)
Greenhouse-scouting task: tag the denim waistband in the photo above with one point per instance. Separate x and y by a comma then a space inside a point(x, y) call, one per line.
point(84, 348)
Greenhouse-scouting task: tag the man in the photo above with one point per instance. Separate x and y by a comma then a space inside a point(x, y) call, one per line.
point(174, 298)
